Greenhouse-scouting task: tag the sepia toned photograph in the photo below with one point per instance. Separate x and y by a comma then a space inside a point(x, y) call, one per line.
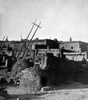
point(43, 49)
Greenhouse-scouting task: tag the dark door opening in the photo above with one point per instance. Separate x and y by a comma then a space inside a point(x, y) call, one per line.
point(43, 81)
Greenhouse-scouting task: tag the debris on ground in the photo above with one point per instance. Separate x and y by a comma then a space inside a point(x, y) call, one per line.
point(29, 82)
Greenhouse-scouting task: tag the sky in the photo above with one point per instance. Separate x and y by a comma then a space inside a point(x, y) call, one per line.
point(60, 19)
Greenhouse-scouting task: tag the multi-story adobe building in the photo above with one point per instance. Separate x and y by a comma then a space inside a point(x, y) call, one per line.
point(43, 45)
point(73, 50)
point(76, 50)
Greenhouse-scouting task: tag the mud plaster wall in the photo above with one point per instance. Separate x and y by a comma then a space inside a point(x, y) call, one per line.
point(61, 70)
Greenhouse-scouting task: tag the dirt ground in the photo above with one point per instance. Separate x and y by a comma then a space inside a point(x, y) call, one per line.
point(73, 91)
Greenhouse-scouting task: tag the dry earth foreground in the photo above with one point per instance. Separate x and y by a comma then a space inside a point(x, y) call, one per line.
point(73, 91)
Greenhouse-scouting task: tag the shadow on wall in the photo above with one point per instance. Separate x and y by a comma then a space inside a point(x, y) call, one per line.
point(60, 70)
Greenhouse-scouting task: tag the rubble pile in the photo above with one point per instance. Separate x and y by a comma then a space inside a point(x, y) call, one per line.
point(17, 68)
point(20, 65)
point(29, 80)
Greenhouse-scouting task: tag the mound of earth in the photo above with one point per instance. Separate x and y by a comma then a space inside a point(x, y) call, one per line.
point(29, 82)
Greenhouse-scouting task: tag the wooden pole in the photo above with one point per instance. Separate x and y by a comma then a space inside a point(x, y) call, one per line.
point(25, 41)
point(30, 44)
point(24, 44)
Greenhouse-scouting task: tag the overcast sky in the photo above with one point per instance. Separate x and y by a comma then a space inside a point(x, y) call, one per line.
point(60, 19)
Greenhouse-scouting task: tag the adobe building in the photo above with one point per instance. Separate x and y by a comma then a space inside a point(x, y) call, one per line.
point(75, 50)
point(40, 45)
point(44, 46)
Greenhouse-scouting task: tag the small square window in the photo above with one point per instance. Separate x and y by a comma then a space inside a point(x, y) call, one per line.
point(71, 47)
